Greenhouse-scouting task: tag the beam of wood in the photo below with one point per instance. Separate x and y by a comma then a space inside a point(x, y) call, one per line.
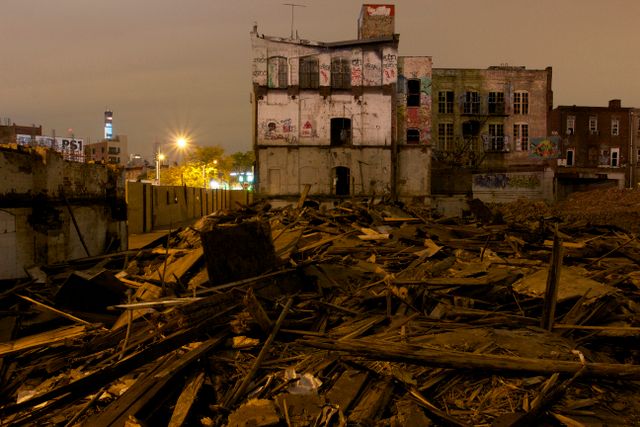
point(186, 398)
point(242, 387)
point(42, 339)
point(553, 281)
point(55, 310)
point(461, 360)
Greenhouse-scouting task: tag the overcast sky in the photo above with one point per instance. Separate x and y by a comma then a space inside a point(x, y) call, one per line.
point(164, 66)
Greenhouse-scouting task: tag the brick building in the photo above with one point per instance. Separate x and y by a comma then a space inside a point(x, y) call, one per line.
point(112, 151)
point(599, 146)
point(490, 133)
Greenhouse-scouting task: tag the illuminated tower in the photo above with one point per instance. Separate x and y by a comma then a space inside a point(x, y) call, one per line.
point(108, 124)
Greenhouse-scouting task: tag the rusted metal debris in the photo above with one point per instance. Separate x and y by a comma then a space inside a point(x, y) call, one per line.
point(364, 314)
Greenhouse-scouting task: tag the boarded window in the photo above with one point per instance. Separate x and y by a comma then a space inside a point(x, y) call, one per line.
point(309, 75)
point(277, 72)
point(340, 73)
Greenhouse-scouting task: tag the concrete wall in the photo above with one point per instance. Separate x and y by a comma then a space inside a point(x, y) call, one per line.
point(39, 192)
point(495, 187)
point(156, 207)
point(285, 171)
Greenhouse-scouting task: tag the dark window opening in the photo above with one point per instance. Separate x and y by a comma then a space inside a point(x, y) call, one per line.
point(309, 75)
point(340, 131)
point(569, 157)
point(413, 136)
point(470, 128)
point(413, 93)
point(342, 181)
point(340, 73)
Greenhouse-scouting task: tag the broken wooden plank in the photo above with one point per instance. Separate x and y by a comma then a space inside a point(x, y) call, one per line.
point(47, 338)
point(553, 281)
point(186, 398)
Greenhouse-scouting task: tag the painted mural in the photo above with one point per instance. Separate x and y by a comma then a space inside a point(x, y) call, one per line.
point(278, 130)
point(545, 148)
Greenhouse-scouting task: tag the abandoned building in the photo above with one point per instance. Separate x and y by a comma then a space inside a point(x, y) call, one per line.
point(599, 147)
point(491, 137)
point(53, 210)
point(347, 118)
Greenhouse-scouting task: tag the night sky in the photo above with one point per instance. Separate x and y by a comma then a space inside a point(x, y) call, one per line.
point(171, 66)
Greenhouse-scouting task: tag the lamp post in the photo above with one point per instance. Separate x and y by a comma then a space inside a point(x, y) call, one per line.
point(159, 159)
point(181, 144)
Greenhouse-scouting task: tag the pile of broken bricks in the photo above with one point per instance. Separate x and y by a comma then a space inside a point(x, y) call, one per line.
point(362, 314)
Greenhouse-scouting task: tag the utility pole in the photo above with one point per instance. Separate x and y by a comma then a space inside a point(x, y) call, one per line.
point(293, 5)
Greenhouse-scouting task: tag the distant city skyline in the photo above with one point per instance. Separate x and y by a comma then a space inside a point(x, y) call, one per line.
point(166, 67)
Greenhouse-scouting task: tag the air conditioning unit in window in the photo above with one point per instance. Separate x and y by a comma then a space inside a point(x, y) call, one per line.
point(562, 162)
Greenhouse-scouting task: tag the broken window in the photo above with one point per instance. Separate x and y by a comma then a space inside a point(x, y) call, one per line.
point(571, 124)
point(445, 102)
point(445, 136)
point(277, 72)
point(615, 157)
point(340, 131)
point(496, 103)
point(570, 156)
point(340, 73)
point(496, 137)
point(470, 128)
point(413, 93)
point(309, 75)
point(413, 136)
point(593, 124)
point(521, 136)
point(615, 127)
point(521, 102)
point(471, 103)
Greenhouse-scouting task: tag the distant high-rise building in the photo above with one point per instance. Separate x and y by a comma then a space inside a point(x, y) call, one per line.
point(108, 124)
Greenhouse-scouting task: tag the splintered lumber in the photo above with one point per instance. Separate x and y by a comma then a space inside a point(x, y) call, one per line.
point(178, 266)
point(48, 338)
point(242, 387)
point(553, 281)
point(372, 402)
point(185, 401)
point(495, 277)
point(257, 311)
point(346, 388)
point(462, 360)
point(54, 310)
point(238, 251)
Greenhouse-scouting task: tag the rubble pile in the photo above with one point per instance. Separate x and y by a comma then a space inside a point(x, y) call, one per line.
point(365, 314)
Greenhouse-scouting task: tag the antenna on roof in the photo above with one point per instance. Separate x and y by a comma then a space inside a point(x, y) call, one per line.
point(293, 5)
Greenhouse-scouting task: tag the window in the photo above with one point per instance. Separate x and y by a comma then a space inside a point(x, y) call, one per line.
point(114, 150)
point(340, 73)
point(445, 102)
point(521, 136)
point(471, 104)
point(521, 102)
point(413, 136)
point(309, 75)
point(496, 137)
point(413, 93)
point(277, 72)
point(615, 127)
point(570, 156)
point(615, 157)
point(593, 124)
point(571, 124)
point(496, 103)
point(445, 136)
point(340, 131)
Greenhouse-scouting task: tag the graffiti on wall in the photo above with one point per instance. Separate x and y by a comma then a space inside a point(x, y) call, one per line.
point(545, 148)
point(325, 74)
point(356, 72)
point(308, 130)
point(389, 67)
point(505, 180)
point(278, 130)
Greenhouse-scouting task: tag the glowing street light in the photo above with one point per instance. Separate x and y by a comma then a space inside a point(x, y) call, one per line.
point(181, 142)
point(159, 159)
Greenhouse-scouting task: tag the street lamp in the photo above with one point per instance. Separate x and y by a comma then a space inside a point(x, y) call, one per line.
point(159, 159)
